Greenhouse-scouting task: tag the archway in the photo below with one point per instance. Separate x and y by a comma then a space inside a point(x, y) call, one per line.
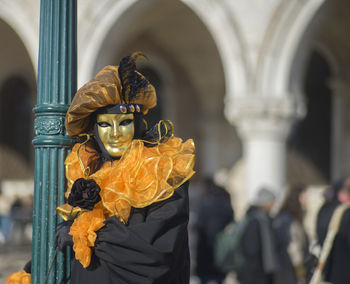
point(324, 48)
point(17, 98)
point(311, 137)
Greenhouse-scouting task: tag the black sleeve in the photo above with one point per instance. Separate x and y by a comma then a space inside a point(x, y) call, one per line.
point(152, 251)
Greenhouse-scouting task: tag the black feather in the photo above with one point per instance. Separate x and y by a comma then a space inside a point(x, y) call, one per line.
point(132, 82)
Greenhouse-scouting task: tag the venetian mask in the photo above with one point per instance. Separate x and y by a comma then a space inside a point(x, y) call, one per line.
point(116, 132)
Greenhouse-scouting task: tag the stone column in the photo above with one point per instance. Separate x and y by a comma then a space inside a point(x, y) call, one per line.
point(263, 125)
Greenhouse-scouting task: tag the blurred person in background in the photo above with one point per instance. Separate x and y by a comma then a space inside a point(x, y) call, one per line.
point(325, 213)
point(21, 218)
point(214, 213)
point(291, 238)
point(336, 269)
point(258, 242)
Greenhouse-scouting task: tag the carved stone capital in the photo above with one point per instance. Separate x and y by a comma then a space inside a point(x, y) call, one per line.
point(270, 117)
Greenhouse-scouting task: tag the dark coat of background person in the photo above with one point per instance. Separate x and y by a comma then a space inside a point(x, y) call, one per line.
point(288, 229)
point(336, 269)
point(151, 248)
point(326, 211)
point(253, 271)
point(285, 272)
point(214, 213)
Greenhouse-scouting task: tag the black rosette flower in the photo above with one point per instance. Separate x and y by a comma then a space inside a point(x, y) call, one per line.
point(84, 194)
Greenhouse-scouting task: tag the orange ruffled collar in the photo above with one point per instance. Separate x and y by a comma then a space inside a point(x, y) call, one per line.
point(142, 176)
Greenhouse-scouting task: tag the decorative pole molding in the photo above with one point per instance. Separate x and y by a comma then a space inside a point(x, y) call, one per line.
point(56, 86)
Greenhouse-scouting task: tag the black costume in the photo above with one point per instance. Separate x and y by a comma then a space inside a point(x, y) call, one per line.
point(151, 248)
point(135, 229)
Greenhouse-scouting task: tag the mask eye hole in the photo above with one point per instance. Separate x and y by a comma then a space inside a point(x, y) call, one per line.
point(126, 122)
point(103, 124)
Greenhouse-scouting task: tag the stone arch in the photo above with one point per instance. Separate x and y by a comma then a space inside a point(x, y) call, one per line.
point(15, 56)
point(227, 34)
point(17, 99)
point(229, 42)
point(16, 124)
point(326, 34)
point(331, 40)
point(284, 45)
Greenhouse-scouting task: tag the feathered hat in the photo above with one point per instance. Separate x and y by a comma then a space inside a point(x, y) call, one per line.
point(121, 89)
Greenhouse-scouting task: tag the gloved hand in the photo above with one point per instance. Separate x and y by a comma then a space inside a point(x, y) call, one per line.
point(28, 266)
point(62, 238)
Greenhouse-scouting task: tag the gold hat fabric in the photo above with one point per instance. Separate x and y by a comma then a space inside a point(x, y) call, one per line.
point(103, 90)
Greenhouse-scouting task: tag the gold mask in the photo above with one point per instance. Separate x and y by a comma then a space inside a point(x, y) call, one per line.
point(116, 132)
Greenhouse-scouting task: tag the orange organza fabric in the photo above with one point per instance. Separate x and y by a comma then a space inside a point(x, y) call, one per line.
point(141, 177)
point(20, 277)
point(83, 232)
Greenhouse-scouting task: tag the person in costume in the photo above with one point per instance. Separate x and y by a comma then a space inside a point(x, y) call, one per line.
point(127, 211)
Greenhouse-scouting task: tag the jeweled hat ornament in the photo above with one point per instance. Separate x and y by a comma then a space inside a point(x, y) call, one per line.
point(121, 108)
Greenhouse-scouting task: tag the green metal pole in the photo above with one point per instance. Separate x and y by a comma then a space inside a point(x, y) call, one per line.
point(56, 86)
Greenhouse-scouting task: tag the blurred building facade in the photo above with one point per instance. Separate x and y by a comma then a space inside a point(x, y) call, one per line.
point(262, 86)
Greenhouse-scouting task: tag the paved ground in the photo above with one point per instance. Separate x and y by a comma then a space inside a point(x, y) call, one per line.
point(12, 259)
